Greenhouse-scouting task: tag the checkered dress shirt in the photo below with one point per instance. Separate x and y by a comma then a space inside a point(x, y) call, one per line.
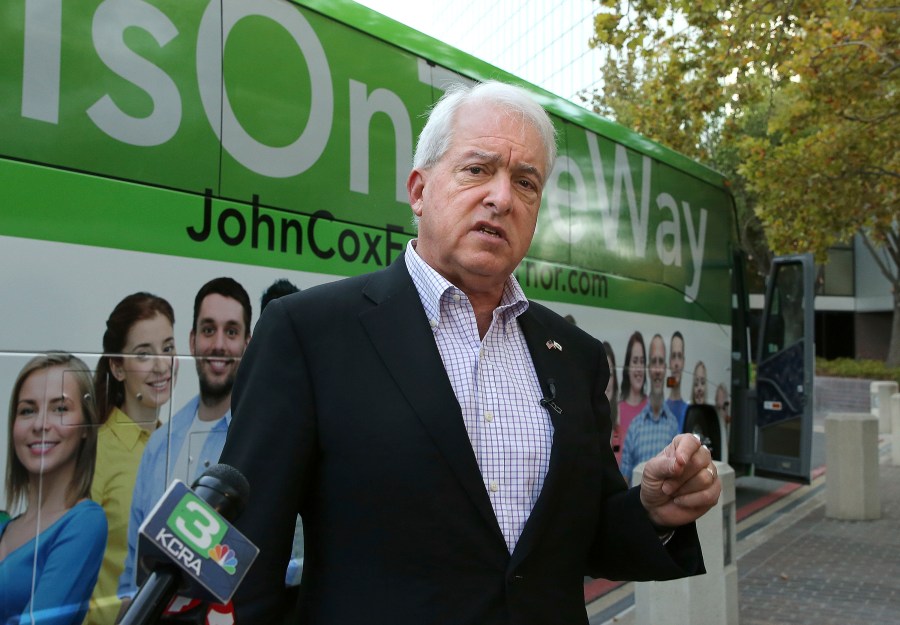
point(498, 391)
point(647, 436)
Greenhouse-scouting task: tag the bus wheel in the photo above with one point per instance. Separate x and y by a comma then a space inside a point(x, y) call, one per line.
point(702, 420)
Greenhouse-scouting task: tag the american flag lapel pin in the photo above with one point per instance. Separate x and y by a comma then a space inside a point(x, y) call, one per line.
point(551, 344)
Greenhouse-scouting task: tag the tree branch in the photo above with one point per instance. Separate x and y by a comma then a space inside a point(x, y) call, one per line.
point(855, 4)
point(885, 56)
point(893, 246)
point(879, 171)
point(870, 120)
point(873, 172)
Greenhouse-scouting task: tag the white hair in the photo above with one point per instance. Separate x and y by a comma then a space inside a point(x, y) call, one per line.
point(434, 141)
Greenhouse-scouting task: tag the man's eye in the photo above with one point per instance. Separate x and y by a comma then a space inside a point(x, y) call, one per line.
point(475, 169)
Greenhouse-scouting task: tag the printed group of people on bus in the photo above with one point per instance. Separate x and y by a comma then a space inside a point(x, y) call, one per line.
point(645, 420)
point(89, 453)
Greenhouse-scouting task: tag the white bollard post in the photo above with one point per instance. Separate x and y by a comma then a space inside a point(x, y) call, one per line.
point(880, 403)
point(709, 599)
point(895, 429)
point(851, 461)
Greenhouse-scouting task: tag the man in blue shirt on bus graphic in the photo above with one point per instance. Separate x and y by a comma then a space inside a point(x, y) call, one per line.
point(655, 426)
point(675, 403)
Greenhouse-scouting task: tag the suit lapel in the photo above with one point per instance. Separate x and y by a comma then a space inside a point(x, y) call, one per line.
point(550, 363)
point(403, 339)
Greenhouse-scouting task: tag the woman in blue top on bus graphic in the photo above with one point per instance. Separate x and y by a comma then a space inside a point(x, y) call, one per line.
point(50, 552)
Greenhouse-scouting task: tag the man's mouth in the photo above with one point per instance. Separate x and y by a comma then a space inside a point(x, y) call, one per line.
point(218, 364)
point(494, 232)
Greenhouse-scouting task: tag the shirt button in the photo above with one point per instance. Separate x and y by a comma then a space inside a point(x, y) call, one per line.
point(456, 297)
point(433, 322)
point(489, 416)
point(494, 486)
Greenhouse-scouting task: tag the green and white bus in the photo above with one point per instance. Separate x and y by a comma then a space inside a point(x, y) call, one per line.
point(151, 145)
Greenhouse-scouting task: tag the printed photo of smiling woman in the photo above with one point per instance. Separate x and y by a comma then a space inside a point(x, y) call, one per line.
point(51, 549)
point(133, 381)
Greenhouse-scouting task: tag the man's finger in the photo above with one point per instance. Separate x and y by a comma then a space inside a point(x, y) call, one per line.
point(687, 443)
point(684, 446)
point(702, 498)
point(692, 482)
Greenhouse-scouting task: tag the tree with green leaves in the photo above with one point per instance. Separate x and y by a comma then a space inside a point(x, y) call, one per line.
point(798, 102)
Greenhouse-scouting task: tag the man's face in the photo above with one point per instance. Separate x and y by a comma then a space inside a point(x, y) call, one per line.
point(723, 406)
point(478, 205)
point(217, 343)
point(698, 393)
point(676, 359)
point(657, 366)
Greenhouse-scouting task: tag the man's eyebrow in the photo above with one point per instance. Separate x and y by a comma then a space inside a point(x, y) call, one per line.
point(531, 169)
point(493, 157)
point(227, 323)
point(490, 157)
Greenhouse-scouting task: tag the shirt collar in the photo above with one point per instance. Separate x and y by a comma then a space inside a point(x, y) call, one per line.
point(193, 408)
point(664, 413)
point(125, 429)
point(433, 288)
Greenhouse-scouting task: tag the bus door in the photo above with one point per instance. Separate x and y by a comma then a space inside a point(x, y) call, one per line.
point(785, 370)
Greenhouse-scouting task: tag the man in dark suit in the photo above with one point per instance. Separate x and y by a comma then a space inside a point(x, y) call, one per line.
point(445, 440)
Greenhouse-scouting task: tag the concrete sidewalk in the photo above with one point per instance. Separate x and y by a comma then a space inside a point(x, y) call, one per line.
point(796, 567)
point(827, 572)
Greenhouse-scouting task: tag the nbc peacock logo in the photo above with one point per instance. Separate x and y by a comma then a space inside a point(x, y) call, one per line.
point(224, 556)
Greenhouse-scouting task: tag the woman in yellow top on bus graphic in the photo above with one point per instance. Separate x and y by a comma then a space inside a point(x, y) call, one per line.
point(133, 380)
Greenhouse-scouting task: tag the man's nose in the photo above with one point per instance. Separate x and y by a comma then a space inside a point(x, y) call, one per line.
point(219, 341)
point(499, 195)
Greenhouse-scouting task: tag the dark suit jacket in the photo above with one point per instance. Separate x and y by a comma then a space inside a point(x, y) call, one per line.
point(343, 413)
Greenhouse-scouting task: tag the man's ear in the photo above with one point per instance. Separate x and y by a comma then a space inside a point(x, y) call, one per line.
point(415, 187)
